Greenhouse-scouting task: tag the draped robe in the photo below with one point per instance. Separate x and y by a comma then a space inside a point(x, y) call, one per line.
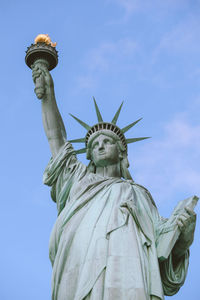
point(103, 244)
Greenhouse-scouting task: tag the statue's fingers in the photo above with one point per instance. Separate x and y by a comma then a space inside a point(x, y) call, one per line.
point(180, 224)
point(47, 76)
point(191, 215)
point(183, 217)
point(46, 73)
point(183, 221)
point(36, 74)
point(43, 67)
point(37, 70)
point(35, 77)
point(33, 67)
point(190, 211)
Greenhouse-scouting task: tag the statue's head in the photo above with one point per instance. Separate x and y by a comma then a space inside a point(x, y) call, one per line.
point(105, 149)
point(106, 144)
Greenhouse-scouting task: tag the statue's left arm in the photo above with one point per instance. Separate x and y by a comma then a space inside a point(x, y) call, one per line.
point(186, 223)
point(173, 238)
point(174, 268)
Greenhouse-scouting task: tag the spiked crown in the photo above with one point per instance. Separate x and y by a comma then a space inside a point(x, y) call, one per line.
point(102, 126)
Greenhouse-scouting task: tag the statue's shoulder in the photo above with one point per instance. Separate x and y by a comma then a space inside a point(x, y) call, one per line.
point(145, 191)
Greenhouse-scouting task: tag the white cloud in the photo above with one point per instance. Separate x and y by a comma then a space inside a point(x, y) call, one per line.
point(181, 42)
point(176, 48)
point(129, 6)
point(156, 9)
point(182, 39)
point(172, 163)
point(107, 56)
point(86, 82)
point(111, 53)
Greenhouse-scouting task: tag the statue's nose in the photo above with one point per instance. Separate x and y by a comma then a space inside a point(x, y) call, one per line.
point(101, 145)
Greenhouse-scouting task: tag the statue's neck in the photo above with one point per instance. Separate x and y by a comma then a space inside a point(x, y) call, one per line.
point(109, 171)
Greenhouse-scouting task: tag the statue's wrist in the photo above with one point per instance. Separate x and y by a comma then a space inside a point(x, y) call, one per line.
point(49, 93)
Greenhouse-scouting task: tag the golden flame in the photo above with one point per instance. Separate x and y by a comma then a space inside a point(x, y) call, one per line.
point(44, 38)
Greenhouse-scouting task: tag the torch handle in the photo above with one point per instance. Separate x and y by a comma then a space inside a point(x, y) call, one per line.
point(40, 81)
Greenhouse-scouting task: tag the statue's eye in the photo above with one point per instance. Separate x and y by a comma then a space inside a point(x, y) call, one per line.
point(95, 145)
point(107, 141)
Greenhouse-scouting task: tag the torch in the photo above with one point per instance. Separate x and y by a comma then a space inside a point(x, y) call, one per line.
point(42, 52)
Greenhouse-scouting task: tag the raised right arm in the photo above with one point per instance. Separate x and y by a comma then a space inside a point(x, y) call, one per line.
point(52, 120)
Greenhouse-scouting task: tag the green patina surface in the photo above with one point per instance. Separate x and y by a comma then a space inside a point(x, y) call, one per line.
point(109, 241)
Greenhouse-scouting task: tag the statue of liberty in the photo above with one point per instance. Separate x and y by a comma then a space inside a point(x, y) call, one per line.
point(109, 241)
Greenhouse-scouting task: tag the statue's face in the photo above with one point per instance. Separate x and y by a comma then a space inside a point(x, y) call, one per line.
point(104, 151)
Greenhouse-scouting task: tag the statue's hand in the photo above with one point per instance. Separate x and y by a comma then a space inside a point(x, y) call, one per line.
point(44, 86)
point(186, 223)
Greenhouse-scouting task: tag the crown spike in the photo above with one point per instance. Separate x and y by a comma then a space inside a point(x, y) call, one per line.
point(99, 117)
point(133, 140)
point(86, 126)
point(83, 150)
point(114, 120)
point(82, 140)
point(125, 129)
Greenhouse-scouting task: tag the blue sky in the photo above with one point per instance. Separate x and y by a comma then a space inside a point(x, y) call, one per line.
point(144, 52)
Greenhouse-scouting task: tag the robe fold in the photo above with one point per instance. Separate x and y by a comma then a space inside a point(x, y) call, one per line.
point(103, 244)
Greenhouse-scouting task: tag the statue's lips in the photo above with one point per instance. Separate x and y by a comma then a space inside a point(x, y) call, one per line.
point(102, 153)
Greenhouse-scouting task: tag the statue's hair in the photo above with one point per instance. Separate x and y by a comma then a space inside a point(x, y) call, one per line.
point(124, 164)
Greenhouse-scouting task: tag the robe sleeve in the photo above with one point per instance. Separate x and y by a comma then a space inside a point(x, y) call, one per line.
point(173, 277)
point(61, 172)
